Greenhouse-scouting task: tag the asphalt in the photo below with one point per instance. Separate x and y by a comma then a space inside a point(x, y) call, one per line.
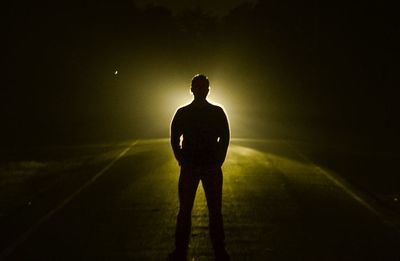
point(277, 205)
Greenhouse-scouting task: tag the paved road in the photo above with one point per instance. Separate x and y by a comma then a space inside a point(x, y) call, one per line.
point(276, 206)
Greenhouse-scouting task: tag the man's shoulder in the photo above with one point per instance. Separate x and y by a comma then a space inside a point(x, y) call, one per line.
point(216, 108)
point(193, 107)
point(183, 108)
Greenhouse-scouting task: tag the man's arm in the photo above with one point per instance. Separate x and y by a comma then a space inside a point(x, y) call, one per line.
point(176, 133)
point(224, 137)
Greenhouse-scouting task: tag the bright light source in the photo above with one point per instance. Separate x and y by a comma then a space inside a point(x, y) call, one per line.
point(116, 72)
point(159, 98)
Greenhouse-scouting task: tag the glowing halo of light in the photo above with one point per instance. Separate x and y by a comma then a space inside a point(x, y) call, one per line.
point(157, 101)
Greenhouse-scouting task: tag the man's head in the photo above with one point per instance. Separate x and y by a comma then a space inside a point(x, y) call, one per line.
point(200, 86)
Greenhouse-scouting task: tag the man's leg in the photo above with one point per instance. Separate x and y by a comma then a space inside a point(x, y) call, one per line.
point(212, 183)
point(187, 187)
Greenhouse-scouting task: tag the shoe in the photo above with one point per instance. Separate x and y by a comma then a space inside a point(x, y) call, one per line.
point(177, 255)
point(222, 255)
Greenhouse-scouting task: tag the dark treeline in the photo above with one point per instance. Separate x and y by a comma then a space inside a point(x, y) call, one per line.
point(329, 64)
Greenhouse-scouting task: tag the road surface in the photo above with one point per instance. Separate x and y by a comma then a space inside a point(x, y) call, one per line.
point(276, 205)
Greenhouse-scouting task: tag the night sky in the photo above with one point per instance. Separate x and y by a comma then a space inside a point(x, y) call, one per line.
point(216, 8)
point(83, 71)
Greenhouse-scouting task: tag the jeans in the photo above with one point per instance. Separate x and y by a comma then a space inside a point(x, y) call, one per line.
point(211, 178)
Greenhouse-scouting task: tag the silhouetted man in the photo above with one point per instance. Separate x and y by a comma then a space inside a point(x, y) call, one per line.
point(205, 132)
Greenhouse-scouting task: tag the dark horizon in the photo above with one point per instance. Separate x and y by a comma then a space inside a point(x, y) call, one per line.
point(280, 68)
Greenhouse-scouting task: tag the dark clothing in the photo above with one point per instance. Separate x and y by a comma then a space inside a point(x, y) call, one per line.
point(205, 131)
point(211, 179)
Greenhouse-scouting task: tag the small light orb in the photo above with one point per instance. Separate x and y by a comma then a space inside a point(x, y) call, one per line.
point(116, 72)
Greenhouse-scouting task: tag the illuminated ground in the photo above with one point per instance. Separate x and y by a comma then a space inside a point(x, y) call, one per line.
point(277, 206)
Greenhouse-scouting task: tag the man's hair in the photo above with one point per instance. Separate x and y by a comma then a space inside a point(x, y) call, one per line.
point(200, 77)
